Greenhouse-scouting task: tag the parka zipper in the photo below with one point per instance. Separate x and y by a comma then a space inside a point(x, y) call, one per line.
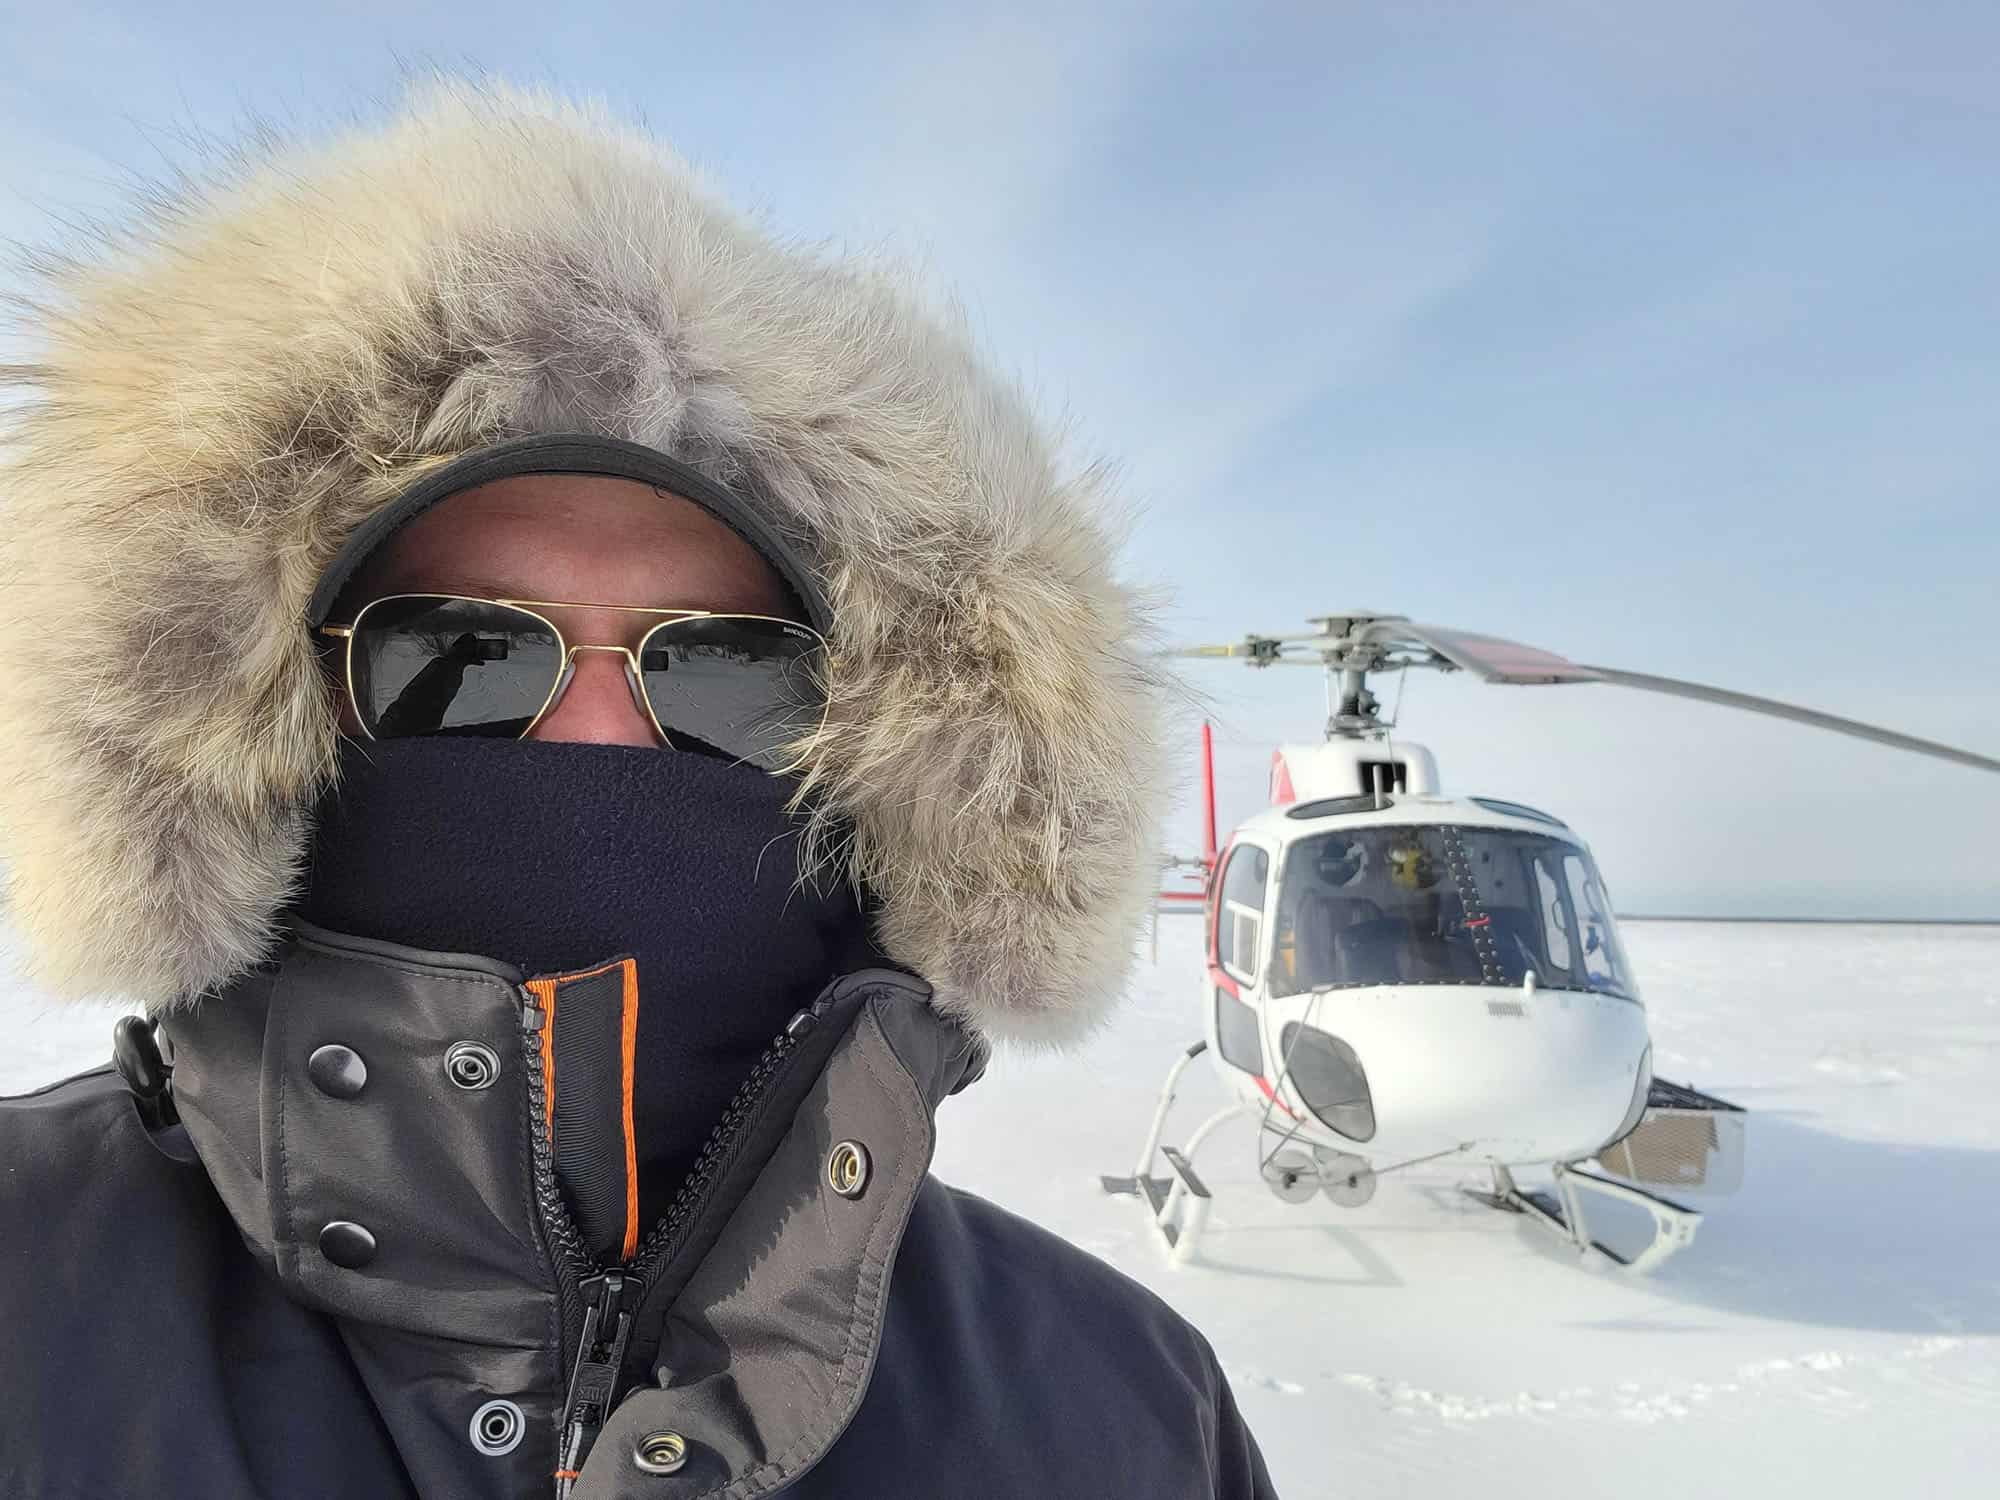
point(593, 1379)
point(600, 1301)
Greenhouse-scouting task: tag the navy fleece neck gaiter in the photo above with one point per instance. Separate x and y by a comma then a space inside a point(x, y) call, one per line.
point(558, 857)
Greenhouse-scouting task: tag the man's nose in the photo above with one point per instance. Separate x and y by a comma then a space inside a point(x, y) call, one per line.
point(597, 705)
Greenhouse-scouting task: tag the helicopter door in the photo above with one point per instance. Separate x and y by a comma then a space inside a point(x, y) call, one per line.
point(1235, 947)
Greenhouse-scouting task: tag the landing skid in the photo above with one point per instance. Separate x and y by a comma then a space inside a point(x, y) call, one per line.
point(1562, 1212)
point(1178, 1203)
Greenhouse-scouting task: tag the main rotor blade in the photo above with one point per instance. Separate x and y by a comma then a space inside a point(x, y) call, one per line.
point(1232, 648)
point(1488, 657)
point(1678, 689)
point(1493, 659)
point(1216, 653)
point(1265, 651)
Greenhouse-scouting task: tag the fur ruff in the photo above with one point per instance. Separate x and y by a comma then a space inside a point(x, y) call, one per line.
point(219, 394)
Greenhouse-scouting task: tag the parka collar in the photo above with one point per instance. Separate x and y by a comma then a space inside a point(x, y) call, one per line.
point(417, 1211)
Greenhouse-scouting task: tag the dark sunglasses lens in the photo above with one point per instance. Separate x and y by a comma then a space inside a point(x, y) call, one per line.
point(430, 665)
point(744, 688)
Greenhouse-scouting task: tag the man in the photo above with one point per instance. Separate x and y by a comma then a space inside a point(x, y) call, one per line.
point(577, 721)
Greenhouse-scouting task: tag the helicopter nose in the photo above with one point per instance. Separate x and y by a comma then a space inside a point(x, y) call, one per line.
point(1550, 1077)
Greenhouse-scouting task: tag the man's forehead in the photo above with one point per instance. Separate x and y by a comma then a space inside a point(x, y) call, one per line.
point(585, 537)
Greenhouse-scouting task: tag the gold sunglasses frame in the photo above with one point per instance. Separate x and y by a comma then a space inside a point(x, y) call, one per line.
point(634, 674)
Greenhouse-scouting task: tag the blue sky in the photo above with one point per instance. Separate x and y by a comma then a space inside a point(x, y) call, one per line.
point(1663, 337)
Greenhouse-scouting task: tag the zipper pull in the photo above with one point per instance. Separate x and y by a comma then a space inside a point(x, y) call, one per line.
point(593, 1380)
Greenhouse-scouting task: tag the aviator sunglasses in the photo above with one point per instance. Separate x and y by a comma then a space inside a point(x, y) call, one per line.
point(745, 687)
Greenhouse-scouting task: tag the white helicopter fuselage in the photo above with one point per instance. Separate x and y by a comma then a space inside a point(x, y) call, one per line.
point(1406, 976)
point(1395, 976)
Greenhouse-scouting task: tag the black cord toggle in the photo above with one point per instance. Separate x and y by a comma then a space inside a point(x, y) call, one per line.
point(135, 1052)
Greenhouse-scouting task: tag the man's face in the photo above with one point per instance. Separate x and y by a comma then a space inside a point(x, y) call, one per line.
point(582, 538)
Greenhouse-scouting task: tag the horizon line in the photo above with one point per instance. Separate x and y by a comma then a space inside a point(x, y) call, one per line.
point(1826, 921)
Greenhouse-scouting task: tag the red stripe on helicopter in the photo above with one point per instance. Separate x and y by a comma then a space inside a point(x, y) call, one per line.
point(1224, 982)
point(1213, 897)
point(1272, 1094)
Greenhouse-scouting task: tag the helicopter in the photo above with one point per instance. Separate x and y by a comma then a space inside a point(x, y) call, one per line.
point(1395, 976)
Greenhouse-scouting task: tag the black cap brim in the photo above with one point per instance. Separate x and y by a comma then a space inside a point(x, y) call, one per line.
point(569, 453)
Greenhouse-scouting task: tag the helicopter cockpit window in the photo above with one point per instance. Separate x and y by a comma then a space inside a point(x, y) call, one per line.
point(1603, 958)
point(1239, 923)
point(1438, 904)
point(1555, 921)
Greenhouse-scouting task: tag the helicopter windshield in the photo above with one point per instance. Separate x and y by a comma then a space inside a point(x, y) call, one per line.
point(1444, 904)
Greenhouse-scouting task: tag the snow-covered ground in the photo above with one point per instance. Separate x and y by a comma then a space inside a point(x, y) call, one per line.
point(1834, 1331)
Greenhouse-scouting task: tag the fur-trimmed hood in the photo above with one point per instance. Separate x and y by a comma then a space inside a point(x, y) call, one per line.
point(223, 392)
